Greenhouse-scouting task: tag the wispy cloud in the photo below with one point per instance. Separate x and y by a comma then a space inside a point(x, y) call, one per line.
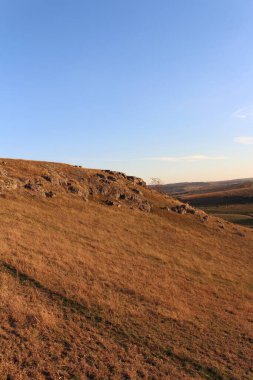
point(194, 158)
point(244, 112)
point(245, 140)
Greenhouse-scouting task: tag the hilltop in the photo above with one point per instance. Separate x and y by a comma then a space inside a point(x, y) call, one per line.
point(102, 277)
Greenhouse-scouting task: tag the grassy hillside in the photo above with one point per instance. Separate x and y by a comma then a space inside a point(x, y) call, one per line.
point(99, 283)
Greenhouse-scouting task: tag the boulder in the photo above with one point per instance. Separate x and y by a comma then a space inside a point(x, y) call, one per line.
point(190, 209)
point(28, 186)
point(184, 209)
point(112, 203)
point(179, 209)
point(100, 175)
point(136, 180)
point(111, 178)
point(145, 206)
point(124, 196)
point(137, 191)
point(74, 190)
point(50, 194)
point(47, 177)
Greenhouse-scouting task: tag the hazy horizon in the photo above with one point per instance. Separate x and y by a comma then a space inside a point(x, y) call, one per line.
point(155, 89)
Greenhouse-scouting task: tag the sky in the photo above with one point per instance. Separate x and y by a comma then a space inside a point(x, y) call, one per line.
point(154, 88)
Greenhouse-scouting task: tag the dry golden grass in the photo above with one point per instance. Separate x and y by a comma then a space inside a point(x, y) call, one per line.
point(93, 292)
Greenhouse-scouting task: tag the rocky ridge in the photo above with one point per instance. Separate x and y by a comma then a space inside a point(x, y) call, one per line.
point(112, 188)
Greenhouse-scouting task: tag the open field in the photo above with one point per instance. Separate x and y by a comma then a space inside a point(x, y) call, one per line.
point(91, 291)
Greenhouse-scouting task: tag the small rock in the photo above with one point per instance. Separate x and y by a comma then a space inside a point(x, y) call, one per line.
point(74, 190)
point(190, 209)
point(112, 203)
point(50, 194)
point(179, 209)
point(28, 186)
point(47, 177)
point(136, 180)
point(137, 191)
point(111, 178)
point(145, 206)
point(100, 175)
point(205, 218)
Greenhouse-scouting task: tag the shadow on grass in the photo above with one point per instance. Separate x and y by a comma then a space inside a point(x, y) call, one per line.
point(63, 300)
point(92, 315)
point(207, 372)
point(123, 337)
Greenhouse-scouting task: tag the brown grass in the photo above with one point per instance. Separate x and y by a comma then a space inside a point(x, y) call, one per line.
point(93, 292)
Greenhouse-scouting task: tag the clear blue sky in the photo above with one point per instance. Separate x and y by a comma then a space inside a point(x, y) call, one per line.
point(158, 88)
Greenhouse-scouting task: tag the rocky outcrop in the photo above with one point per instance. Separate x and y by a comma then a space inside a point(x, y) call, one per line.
point(111, 187)
point(185, 208)
point(136, 181)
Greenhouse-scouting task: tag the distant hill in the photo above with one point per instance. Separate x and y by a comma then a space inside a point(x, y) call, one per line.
point(231, 200)
point(104, 278)
point(189, 188)
point(239, 195)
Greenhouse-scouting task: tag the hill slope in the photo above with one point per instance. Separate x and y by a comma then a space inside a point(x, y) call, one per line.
point(91, 290)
